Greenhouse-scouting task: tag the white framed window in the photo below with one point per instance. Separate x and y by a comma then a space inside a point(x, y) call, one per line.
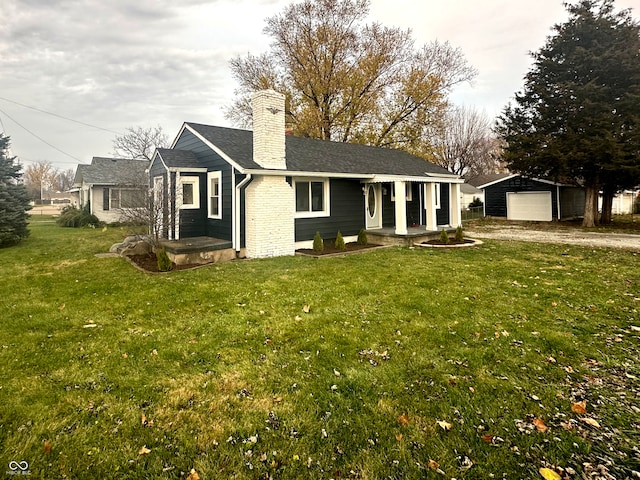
point(214, 194)
point(189, 192)
point(312, 197)
point(409, 195)
point(120, 198)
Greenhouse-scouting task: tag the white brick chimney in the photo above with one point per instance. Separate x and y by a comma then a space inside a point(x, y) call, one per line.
point(268, 129)
point(269, 199)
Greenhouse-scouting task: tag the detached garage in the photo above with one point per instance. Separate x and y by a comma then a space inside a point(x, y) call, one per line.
point(515, 197)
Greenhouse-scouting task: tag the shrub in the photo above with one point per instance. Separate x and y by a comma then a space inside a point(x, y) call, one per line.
point(318, 243)
point(459, 234)
point(444, 237)
point(71, 216)
point(362, 237)
point(164, 262)
point(476, 202)
point(340, 242)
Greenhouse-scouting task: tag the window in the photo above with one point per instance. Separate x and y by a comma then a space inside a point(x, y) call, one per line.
point(408, 188)
point(214, 193)
point(189, 192)
point(116, 198)
point(312, 198)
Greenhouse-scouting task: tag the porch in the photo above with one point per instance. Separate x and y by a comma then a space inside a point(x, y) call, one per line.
point(414, 235)
point(198, 250)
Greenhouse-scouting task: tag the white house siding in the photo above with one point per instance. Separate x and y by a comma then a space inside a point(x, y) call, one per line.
point(269, 203)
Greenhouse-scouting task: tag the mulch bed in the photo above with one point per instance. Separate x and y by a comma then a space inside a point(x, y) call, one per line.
point(452, 242)
point(330, 249)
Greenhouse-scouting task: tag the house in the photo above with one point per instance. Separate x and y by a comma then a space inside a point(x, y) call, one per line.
point(469, 194)
point(515, 197)
point(623, 202)
point(111, 186)
point(266, 193)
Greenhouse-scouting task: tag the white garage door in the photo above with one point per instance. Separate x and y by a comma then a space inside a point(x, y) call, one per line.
point(529, 206)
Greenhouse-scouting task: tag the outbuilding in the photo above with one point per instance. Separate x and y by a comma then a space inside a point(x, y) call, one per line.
point(515, 197)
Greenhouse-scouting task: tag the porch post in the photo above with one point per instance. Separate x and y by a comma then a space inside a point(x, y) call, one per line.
point(401, 208)
point(430, 206)
point(456, 219)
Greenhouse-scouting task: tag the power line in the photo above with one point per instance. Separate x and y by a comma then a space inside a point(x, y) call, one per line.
point(39, 138)
point(58, 116)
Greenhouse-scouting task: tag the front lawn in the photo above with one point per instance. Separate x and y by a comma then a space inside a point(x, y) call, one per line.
point(491, 362)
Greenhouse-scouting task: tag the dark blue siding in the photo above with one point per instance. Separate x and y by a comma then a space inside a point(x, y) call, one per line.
point(495, 196)
point(347, 213)
point(210, 160)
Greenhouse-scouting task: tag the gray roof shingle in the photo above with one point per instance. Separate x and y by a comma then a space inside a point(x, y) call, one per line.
point(321, 156)
point(112, 171)
point(178, 158)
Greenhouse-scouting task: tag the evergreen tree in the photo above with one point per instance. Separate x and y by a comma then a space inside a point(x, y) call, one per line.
point(14, 199)
point(578, 117)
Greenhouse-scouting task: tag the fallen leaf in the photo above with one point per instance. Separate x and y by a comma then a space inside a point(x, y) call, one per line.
point(487, 438)
point(124, 355)
point(61, 307)
point(154, 352)
point(47, 447)
point(550, 359)
point(277, 399)
point(336, 372)
point(193, 475)
point(306, 308)
point(444, 425)
point(403, 419)
point(144, 450)
point(433, 465)
point(399, 436)
point(591, 421)
point(472, 390)
point(540, 425)
point(549, 474)
point(579, 407)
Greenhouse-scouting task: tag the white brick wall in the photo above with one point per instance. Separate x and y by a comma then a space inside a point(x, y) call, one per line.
point(268, 129)
point(269, 217)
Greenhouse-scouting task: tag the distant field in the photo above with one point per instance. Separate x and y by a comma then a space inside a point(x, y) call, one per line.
point(490, 362)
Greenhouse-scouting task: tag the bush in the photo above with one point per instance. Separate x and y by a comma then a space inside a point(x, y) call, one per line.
point(444, 237)
point(476, 202)
point(362, 237)
point(340, 242)
point(318, 243)
point(71, 216)
point(459, 234)
point(164, 262)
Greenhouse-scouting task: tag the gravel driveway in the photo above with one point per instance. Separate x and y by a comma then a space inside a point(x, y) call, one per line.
point(572, 237)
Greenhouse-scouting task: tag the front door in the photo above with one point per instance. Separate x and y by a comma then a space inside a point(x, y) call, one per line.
point(373, 205)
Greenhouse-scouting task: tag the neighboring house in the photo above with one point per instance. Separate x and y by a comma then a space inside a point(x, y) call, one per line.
point(623, 202)
point(515, 197)
point(267, 193)
point(111, 186)
point(469, 193)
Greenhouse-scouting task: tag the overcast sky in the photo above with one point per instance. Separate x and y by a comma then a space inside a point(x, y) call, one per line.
point(118, 63)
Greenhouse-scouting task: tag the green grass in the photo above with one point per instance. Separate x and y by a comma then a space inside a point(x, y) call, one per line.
point(237, 380)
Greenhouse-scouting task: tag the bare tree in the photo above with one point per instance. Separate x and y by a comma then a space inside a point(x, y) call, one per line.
point(139, 143)
point(38, 178)
point(463, 143)
point(63, 180)
point(346, 80)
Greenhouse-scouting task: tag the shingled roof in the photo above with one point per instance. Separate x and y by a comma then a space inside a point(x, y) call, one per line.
point(321, 156)
point(112, 171)
point(178, 158)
